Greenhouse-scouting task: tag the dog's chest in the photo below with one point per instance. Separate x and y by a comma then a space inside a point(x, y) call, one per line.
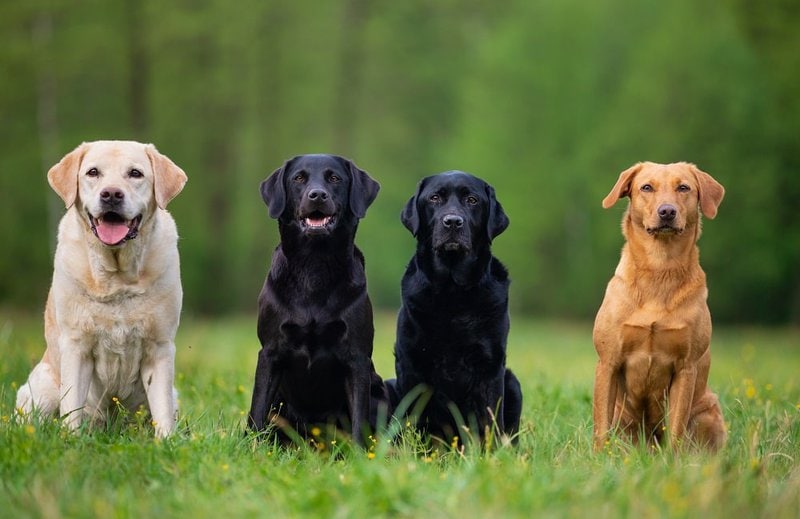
point(651, 349)
point(116, 337)
point(653, 329)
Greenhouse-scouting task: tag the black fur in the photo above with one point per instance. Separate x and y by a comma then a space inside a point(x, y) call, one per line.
point(314, 314)
point(453, 323)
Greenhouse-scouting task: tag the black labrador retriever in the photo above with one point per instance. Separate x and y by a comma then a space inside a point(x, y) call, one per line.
point(453, 323)
point(315, 317)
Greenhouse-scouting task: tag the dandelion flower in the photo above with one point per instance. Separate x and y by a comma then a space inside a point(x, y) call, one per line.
point(370, 455)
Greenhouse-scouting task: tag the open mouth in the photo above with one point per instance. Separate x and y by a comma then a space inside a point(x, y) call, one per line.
point(317, 222)
point(113, 229)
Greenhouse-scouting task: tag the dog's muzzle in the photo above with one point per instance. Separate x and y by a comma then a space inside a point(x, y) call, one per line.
point(113, 229)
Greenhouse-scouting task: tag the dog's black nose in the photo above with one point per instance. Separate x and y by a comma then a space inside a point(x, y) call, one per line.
point(112, 196)
point(318, 195)
point(667, 212)
point(452, 220)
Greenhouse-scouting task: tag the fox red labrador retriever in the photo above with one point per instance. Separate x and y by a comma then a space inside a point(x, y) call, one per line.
point(653, 330)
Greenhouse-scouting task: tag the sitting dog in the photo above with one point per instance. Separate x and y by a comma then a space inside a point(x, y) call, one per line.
point(453, 323)
point(314, 314)
point(653, 330)
point(115, 301)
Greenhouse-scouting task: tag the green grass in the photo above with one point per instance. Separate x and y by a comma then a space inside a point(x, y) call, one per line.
point(210, 470)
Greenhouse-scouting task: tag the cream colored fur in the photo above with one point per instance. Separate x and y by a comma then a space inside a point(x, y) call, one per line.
point(113, 311)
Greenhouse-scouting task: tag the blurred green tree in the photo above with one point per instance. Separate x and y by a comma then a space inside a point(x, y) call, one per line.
point(546, 100)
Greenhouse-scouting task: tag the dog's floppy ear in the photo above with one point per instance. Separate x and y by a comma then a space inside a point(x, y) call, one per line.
point(273, 192)
point(410, 214)
point(710, 193)
point(623, 186)
point(63, 177)
point(363, 189)
point(168, 178)
point(498, 221)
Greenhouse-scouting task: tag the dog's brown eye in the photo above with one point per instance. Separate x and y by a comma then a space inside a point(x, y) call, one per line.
point(435, 198)
point(334, 178)
point(135, 173)
point(472, 200)
point(299, 178)
point(683, 188)
point(647, 188)
point(92, 172)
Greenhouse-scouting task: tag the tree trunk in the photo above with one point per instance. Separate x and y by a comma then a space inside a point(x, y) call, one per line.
point(139, 70)
point(47, 111)
point(354, 16)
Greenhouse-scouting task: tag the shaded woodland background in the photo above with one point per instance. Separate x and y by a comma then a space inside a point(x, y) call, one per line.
point(547, 100)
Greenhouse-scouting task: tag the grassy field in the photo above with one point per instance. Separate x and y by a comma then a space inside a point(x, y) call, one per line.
point(210, 470)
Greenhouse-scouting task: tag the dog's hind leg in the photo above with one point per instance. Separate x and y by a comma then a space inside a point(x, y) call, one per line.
point(40, 393)
point(512, 403)
point(706, 426)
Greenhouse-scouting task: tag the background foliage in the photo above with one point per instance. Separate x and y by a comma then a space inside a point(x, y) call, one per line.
point(548, 101)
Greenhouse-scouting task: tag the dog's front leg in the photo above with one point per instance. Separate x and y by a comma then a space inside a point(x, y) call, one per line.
point(681, 393)
point(265, 388)
point(496, 399)
point(158, 376)
point(605, 395)
point(77, 366)
point(358, 399)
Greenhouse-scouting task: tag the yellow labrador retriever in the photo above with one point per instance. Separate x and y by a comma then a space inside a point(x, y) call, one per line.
point(115, 300)
point(653, 330)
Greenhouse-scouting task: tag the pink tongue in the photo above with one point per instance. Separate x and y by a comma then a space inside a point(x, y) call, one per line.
point(316, 222)
point(111, 233)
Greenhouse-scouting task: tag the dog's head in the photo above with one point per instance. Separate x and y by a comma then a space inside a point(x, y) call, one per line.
point(115, 186)
point(454, 213)
point(317, 194)
point(665, 199)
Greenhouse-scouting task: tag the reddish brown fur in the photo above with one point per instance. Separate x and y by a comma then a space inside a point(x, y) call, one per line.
point(653, 331)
